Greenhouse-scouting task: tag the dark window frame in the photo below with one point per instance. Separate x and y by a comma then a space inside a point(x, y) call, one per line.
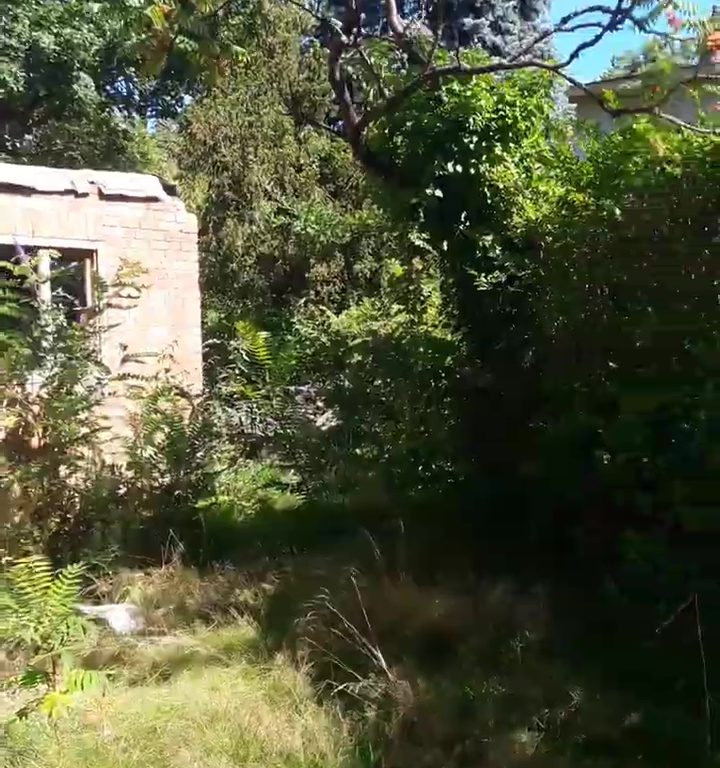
point(52, 255)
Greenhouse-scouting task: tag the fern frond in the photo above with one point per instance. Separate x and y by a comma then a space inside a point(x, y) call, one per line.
point(255, 343)
point(31, 578)
point(37, 604)
point(65, 587)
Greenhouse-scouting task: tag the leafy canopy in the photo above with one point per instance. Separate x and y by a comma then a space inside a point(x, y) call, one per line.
point(76, 75)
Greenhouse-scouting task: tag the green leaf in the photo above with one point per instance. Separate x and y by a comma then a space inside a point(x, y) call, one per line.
point(84, 680)
point(54, 704)
point(156, 14)
point(31, 678)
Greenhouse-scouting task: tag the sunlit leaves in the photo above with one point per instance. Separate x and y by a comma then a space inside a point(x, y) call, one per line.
point(38, 618)
point(75, 76)
point(201, 30)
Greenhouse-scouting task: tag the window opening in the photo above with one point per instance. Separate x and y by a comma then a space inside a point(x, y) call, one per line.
point(62, 277)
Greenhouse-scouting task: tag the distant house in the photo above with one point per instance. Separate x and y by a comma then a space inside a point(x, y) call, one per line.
point(685, 103)
point(94, 229)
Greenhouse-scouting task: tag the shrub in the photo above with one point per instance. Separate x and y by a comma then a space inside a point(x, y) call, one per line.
point(625, 294)
point(39, 622)
point(51, 388)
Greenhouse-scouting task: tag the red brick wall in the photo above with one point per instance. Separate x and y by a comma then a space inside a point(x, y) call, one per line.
point(162, 239)
point(160, 236)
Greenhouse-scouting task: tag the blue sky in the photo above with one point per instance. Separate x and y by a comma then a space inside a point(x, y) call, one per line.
point(594, 61)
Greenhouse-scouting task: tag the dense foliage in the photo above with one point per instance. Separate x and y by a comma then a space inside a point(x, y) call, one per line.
point(498, 28)
point(654, 55)
point(77, 81)
point(497, 361)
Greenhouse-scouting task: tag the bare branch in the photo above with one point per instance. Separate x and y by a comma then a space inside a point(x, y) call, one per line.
point(562, 26)
point(398, 35)
point(436, 74)
point(395, 23)
point(436, 36)
point(617, 18)
point(323, 127)
point(347, 39)
point(678, 123)
point(338, 44)
point(338, 83)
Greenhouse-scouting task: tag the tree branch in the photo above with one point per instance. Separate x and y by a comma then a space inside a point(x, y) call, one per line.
point(373, 72)
point(436, 36)
point(398, 30)
point(617, 18)
point(347, 40)
point(562, 26)
point(395, 23)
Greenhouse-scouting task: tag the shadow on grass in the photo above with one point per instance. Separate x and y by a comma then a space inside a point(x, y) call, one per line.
point(153, 660)
point(448, 666)
point(466, 645)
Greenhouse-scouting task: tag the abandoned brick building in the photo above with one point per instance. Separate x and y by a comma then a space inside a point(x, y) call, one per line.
point(97, 225)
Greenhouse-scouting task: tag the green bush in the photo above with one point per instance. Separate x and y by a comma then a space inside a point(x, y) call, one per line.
point(40, 624)
point(625, 294)
point(51, 386)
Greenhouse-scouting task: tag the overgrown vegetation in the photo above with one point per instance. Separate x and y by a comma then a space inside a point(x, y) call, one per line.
point(200, 698)
point(39, 625)
point(449, 497)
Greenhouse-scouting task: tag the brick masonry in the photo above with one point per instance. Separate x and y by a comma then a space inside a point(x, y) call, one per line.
point(157, 234)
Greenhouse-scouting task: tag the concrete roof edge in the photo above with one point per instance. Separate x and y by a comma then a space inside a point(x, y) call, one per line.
point(704, 74)
point(81, 182)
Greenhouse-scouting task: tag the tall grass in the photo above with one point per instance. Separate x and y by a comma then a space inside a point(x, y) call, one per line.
point(242, 714)
point(386, 672)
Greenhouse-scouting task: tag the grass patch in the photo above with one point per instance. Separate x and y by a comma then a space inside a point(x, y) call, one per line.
point(148, 660)
point(412, 674)
point(174, 597)
point(243, 714)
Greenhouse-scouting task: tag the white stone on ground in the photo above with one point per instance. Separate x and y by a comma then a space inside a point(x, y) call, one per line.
point(122, 618)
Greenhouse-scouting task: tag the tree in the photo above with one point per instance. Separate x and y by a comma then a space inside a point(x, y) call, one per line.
point(498, 28)
point(653, 54)
point(296, 240)
point(375, 68)
point(625, 293)
point(75, 76)
point(286, 213)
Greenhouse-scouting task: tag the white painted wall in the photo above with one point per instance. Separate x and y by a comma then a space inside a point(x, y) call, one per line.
point(683, 104)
